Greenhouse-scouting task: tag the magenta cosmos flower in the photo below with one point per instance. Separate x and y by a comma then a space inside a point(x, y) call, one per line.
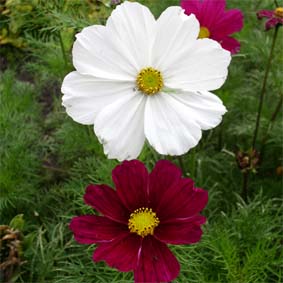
point(275, 17)
point(215, 22)
point(144, 213)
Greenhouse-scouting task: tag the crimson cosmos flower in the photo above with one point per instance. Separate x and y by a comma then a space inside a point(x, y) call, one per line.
point(275, 17)
point(215, 22)
point(144, 213)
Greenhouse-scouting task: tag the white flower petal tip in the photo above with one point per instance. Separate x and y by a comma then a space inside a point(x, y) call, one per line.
point(180, 117)
point(139, 78)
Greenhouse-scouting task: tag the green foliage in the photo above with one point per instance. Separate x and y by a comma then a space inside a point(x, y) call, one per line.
point(243, 246)
point(19, 149)
point(18, 222)
point(47, 159)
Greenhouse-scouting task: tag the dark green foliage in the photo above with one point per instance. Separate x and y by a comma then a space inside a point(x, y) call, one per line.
point(20, 143)
point(47, 159)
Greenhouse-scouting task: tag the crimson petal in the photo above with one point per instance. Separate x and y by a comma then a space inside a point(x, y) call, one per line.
point(164, 175)
point(122, 253)
point(181, 202)
point(231, 44)
point(191, 6)
point(156, 262)
point(131, 181)
point(265, 13)
point(206, 11)
point(90, 229)
point(105, 200)
point(230, 22)
point(273, 22)
point(180, 232)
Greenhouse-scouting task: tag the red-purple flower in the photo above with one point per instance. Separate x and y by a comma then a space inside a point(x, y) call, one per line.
point(275, 17)
point(215, 22)
point(144, 213)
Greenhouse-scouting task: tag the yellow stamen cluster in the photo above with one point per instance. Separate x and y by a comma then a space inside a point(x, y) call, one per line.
point(149, 81)
point(143, 221)
point(204, 32)
point(278, 12)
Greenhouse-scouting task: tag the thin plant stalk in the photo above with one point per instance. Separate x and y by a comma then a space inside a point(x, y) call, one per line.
point(63, 49)
point(259, 112)
point(263, 89)
point(181, 163)
point(270, 124)
point(220, 136)
point(193, 164)
point(245, 185)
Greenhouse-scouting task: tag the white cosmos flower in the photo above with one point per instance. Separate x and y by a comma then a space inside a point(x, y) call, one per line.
point(139, 78)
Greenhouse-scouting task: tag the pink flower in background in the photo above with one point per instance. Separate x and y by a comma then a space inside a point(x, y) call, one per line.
point(275, 17)
point(216, 23)
point(144, 214)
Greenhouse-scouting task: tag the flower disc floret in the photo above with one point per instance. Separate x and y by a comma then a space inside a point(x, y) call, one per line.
point(278, 12)
point(149, 81)
point(143, 221)
point(204, 32)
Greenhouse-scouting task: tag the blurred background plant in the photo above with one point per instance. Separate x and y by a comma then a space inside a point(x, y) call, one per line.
point(47, 159)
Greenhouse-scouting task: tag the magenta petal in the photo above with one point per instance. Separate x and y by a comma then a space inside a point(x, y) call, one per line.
point(164, 175)
point(272, 23)
point(211, 11)
point(156, 262)
point(265, 14)
point(231, 44)
point(230, 22)
point(207, 11)
point(191, 6)
point(105, 200)
point(181, 201)
point(180, 232)
point(131, 181)
point(121, 254)
point(90, 229)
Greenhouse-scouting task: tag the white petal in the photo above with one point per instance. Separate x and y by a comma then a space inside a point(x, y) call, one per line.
point(168, 125)
point(176, 33)
point(93, 54)
point(202, 67)
point(205, 108)
point(132, 27)
point(120, 127)
point(84, 96)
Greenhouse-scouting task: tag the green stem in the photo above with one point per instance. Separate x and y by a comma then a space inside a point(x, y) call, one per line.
point(63, 49)
point(245, 186)
point(270, 124)
point(51, 168)
point(193, 164)
point(181, 163)
point(220, 136)
point(264, 87)
point(277, 109)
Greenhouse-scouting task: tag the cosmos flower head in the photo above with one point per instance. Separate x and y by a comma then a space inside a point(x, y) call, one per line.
point(140, 79)
point(275, 17)
point(216, 22)
point(140, 217)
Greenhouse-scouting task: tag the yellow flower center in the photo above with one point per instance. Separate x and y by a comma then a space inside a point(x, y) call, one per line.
point(143, 221)
point(149, 81)
point(204, 32)
point(278, 12)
